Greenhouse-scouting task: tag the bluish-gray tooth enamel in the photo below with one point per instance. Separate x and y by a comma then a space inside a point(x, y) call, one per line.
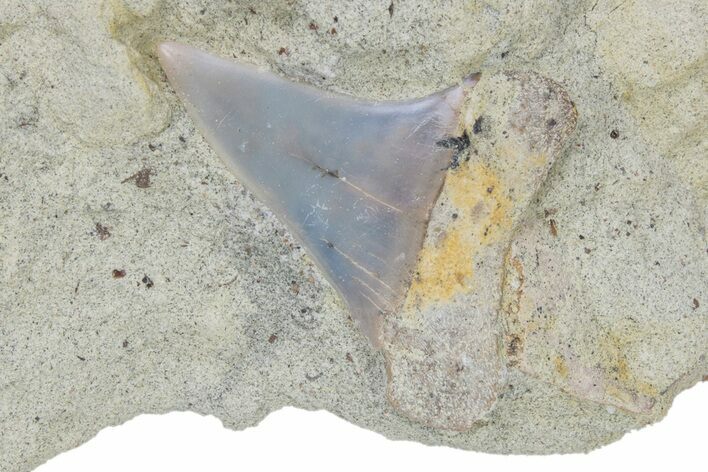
point(354, 180)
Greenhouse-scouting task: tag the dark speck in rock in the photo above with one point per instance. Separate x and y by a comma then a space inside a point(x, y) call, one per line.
point(554, 227)
point(458, 144)
point(477, 127)
point(148, 281)
point(102, 232)
point(141, 178)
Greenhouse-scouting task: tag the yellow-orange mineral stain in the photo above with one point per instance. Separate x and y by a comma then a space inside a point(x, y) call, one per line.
point(616, 364)
point(561, 366)
point(445, 265)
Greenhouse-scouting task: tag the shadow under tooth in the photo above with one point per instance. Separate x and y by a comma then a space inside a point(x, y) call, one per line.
point(354, 180)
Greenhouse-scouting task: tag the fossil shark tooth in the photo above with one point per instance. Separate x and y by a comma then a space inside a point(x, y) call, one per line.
point(354, 180)
point(410, 227)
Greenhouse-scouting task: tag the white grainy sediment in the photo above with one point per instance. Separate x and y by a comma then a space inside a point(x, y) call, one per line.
point(220, 311)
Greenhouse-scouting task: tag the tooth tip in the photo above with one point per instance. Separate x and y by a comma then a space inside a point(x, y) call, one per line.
point(164, 50)
point(168, 53)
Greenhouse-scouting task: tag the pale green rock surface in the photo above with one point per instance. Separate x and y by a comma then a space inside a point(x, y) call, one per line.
point(222, 313)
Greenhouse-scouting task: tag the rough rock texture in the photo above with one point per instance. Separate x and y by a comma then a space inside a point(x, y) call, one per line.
point(444, 365)
point(138, 276)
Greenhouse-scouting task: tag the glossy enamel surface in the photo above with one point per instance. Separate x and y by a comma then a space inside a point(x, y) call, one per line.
point(354, 180)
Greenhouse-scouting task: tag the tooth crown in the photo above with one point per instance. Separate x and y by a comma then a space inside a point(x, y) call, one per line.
point(353, 180)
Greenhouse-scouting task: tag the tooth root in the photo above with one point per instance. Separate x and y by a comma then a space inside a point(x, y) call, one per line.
point(353, 180)
point(443, 359)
